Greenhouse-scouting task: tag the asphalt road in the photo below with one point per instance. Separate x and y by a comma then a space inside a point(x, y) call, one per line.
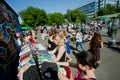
point(109, 68)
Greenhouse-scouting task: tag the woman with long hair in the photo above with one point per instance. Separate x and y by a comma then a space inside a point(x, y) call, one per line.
point(51, 44)
point(95, 44)
point(67, 37)
point(60, 57)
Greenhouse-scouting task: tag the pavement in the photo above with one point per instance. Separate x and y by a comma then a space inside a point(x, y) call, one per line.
point(109, 68)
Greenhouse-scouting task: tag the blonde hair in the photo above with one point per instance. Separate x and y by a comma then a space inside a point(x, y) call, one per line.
point(59, 41)
point(61, 35)
point(65, 32)
point(78, 31)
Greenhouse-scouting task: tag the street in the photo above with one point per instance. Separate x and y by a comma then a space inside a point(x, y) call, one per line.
point(110, 58)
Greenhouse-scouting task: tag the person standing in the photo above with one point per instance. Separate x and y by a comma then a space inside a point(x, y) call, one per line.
point(95, 44)
point(18, 42)
point(86, 65)
point(79, 40)
point(68, 36)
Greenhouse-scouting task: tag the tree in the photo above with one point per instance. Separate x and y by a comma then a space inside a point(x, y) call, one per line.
point(109, 9)
point(77, 16)
point(56, 18)
point(102, 11)
point(82, 17)
point(33, 16)
point(118, 10)
point(49, 22)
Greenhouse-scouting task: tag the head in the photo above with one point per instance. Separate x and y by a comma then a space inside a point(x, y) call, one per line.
point(17, 35)
point(61, 35)
point(58, 41)
point(64, 32)
point(97, 35)
point(96, 39)
point(50, 33)
point(86, 61)
point(54, 31)
point(77, 31)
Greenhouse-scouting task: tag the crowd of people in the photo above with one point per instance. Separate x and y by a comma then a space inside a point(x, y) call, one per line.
point(59, 41)
point(87, 60)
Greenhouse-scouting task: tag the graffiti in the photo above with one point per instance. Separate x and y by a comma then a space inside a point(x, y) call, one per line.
point(7, 43)
point(8, 25)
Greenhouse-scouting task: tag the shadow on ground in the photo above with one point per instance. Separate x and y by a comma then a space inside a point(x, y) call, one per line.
point(113, 47)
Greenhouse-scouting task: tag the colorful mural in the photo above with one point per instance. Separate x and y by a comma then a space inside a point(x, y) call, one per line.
point(8, 24)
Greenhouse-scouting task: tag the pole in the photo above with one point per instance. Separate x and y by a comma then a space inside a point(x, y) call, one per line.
point(98, 5)
point(36, 60)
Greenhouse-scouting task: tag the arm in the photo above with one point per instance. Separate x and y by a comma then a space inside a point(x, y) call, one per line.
point(62, 63)
point(70, 35)
point(53, 51)
point(61, 51)
point(71, 64)
point(101, 44)
point(68, 57)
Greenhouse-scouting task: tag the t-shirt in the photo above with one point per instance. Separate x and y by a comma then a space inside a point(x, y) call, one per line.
point(52, 45)
point(78, 37)
point(78, 76)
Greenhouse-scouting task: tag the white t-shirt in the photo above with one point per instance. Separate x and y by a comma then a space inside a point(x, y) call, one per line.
point(79, 37)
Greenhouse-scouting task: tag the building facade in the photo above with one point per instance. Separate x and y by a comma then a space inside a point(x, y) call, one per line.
point(92, 7)
point(118, 3)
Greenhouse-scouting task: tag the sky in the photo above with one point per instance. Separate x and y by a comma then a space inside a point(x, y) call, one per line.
point(50, 6)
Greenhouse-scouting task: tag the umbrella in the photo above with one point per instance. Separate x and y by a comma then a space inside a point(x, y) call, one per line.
point(104, 18)
point(26, 28)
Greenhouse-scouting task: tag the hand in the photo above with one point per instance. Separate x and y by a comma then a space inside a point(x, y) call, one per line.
point(53, 60)
point(49, 52)
point(68, 59)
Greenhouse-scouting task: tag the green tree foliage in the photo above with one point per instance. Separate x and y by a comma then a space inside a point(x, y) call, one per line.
point(66, 16)
point(118, 10)
point(102, 11)
point(33, 16)
point(49, 22)
point(56, 18)
point(109, 9)
point(82, 17)
point(77, 16)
